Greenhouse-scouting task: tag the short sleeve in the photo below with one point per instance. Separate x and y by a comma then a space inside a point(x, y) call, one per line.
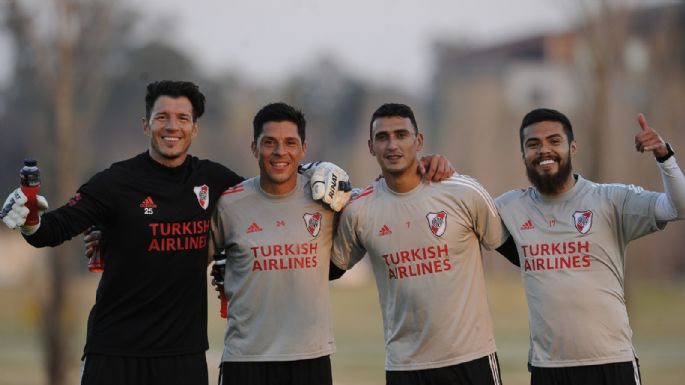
point(217, 234)
point(487, 223)
point(347, 247)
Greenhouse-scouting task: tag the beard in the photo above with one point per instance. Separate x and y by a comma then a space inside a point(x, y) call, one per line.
point(550, 184)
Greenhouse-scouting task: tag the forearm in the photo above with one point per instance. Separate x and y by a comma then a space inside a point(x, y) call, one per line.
point(56, 228)
point(510, 252)
point(671, 204)
point(334, 272)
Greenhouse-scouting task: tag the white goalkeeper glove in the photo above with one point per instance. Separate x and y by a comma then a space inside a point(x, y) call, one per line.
point(330, 183)
point(14, 211)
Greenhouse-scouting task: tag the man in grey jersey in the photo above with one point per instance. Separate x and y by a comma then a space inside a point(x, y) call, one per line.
point(423, 241)
point(571, 235)
point(277, 241)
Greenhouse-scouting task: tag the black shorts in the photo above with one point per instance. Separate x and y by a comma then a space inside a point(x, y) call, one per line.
point(620, 373)
point(481, 371)
point(188, 369)
point(315, 371)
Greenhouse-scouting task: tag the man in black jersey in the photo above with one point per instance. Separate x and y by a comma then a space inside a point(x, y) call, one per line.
point(149, 321)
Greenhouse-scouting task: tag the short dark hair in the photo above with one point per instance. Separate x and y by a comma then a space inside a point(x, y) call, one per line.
point(279, 112)
point(546, 115)
point(388, 110)
point(175, 89)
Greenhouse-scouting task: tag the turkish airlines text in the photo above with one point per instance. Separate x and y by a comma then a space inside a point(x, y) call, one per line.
point(179, 236)
point(284, 256)
point(556, 256)
point(417, 262)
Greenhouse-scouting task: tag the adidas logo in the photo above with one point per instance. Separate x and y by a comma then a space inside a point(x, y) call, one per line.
point(528, 225)
point(253, 228)
point(385, 230)
point(148, 203)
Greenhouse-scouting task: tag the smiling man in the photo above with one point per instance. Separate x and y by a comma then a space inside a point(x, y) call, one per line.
point(171, 126)
point(571, 235)
point(424, 243)
point(277, 242)
point(149, 321)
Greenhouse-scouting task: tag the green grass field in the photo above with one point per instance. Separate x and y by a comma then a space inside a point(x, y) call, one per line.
point(657, 317)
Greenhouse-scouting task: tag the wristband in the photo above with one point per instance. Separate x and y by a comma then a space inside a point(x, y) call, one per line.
point(662, 159)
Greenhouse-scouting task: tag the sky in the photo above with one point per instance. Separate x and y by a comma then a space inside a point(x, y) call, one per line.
point(381, 41)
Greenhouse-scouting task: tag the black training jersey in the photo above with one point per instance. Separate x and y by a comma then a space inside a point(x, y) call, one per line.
point(152, 295)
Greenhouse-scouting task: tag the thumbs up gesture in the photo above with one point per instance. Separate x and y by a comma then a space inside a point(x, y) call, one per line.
point(648, 139)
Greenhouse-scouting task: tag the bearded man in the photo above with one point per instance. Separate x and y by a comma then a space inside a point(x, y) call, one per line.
point(571, 235)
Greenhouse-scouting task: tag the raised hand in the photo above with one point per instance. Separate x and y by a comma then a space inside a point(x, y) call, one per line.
point(330, 183)
point(648, 139)
point(14, 211)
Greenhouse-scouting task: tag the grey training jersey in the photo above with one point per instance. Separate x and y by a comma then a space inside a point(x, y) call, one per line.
point(276, 282)
point(571, 250)
point(424, 247)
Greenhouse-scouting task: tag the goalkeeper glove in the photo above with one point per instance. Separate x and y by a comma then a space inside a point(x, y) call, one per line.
point(330, 183)
point(14, 211)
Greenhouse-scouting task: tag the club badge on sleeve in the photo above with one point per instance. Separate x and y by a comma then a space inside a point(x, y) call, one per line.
point(583, 221)
point(313, 223)
point(202, 194)
point(437, 222)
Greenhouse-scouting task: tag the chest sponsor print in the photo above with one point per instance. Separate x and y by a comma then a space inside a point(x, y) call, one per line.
point(582, 221)
point(437, 222)
point(312, 223)
point(202, 194)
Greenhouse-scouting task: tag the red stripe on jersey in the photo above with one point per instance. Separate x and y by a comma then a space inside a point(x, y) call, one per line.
point(235, 189)
point(367, 191)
